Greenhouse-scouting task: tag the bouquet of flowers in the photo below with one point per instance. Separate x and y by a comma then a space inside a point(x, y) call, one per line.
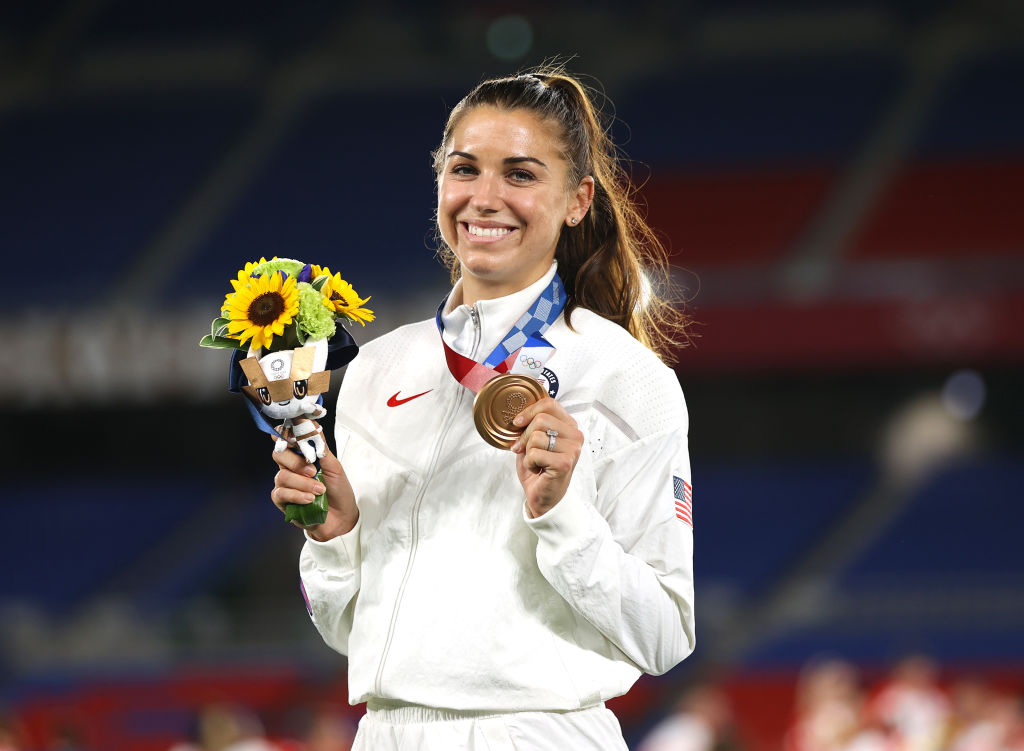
point(282, 321)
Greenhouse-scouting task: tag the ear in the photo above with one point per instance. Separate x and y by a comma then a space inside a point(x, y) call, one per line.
point(302, 363)
point(579, 201)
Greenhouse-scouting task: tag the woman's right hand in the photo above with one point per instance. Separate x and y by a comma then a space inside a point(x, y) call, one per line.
point(295, 483)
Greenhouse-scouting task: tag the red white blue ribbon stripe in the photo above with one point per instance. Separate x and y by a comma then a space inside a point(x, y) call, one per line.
point(526, 334)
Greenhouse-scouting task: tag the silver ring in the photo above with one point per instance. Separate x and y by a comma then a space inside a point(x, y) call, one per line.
point(552, 435)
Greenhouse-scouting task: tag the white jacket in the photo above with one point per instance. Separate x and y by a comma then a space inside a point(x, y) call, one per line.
point(446, 594)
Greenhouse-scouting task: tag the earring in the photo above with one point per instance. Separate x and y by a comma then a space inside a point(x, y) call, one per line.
point(573, 220)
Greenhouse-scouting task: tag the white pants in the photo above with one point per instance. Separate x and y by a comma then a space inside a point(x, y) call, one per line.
point(415, 728)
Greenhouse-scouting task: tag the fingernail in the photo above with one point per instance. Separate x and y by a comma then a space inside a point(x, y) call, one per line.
point(320, 489)
point(515, 447)
point(309, 471)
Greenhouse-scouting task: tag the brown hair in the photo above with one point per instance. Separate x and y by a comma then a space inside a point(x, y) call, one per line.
point(612, 262)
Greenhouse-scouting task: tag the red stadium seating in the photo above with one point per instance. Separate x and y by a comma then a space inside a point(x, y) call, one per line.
point(947, 208)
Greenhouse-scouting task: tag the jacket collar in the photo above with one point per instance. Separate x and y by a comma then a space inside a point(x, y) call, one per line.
point(496, 317)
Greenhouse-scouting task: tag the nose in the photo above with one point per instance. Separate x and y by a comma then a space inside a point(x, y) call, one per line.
point(486, 194)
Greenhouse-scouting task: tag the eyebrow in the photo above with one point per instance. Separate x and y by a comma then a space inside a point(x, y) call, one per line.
point(506, 160)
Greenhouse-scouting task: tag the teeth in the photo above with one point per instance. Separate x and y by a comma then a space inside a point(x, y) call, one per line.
point(488, 231)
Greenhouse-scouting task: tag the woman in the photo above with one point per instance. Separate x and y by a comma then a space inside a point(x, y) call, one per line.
point(488, 599)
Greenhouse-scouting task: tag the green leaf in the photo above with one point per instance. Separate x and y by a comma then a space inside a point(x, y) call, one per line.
point(300, 334)
point(319, 282)
point(217, 325)
point(219, 342)
point(310, 514)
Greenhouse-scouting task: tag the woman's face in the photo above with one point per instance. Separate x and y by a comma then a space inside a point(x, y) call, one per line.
point(503, 199)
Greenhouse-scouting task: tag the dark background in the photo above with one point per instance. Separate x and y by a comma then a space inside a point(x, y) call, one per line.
point(839, 184)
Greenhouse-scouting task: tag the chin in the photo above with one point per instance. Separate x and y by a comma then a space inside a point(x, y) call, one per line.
point(480, 264)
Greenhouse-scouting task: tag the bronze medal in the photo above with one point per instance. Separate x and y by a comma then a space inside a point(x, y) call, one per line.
point(497, 404)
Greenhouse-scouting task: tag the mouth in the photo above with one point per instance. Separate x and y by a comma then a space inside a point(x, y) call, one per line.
point(486, 233)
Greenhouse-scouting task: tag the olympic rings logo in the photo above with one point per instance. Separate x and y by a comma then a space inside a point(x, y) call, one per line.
point(530, 362)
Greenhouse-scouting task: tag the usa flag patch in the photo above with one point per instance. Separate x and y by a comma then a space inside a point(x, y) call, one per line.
point(684, 499)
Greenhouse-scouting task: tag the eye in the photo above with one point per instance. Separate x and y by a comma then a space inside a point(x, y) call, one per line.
point(300, 388)
point(464, 170)
point(520, 176)
point(264, 393)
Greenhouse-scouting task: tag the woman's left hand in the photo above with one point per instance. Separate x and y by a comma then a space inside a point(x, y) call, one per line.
point(545, 474)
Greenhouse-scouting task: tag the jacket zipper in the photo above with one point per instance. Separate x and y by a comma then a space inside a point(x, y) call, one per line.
point(414, 517)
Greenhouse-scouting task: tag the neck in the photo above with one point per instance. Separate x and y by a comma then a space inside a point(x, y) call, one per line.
point(473, 289)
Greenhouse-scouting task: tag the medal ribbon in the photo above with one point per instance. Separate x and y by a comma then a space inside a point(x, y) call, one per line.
point(525, 336)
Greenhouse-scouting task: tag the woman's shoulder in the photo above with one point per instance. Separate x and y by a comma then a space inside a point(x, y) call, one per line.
point(610, 367)
point(613, 346)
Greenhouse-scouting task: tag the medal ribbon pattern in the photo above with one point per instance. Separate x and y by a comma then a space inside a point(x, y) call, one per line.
point(525, 335)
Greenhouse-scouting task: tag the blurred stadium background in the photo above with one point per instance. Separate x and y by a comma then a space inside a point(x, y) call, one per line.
point(840, 183)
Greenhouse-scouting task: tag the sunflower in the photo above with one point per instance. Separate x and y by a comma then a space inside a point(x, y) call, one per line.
point(261, 309)
point(340, 296)
point(240, 281)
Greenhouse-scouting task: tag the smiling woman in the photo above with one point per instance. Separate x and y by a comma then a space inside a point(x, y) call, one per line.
point(505, 547)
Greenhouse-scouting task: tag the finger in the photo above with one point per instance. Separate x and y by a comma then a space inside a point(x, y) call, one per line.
point(568, 432)
point(538, 459)
point(284, 495)
point(293, 461)
point(329, 462)
point(545, 405)
point(289, 480)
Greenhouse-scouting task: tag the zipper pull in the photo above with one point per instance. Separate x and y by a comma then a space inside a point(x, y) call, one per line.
point(474, 317)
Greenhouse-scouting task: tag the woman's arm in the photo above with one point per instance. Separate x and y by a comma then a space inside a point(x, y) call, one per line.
point(628, 567)
point(329, 563)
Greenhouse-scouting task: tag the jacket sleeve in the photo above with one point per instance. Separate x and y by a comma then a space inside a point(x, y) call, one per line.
point(619, 548)
point(330, 581)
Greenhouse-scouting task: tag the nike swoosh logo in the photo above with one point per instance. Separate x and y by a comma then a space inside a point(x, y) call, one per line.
point(394, 401)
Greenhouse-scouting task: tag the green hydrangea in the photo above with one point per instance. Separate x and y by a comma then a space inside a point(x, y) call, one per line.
point(287, 265)
point(314, 318)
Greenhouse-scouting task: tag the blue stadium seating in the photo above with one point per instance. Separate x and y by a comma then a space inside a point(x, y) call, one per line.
point(71, 540)
point(753, 520)
point(981, 112)
point(89, 180)
point(883, 642)
point(958, 537)
point(791, 111)
point(351, 187)
point(961, 529)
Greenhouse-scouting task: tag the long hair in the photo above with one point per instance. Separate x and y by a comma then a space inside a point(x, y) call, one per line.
point(612, 262)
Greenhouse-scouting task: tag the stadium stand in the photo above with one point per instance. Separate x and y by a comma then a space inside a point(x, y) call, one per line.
point(99, 532)
point(958, 532)
point(956, 193)
point(311, 199)
point(738, 154)
point(88, 180)
point(723, 141)
point(758, 517)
